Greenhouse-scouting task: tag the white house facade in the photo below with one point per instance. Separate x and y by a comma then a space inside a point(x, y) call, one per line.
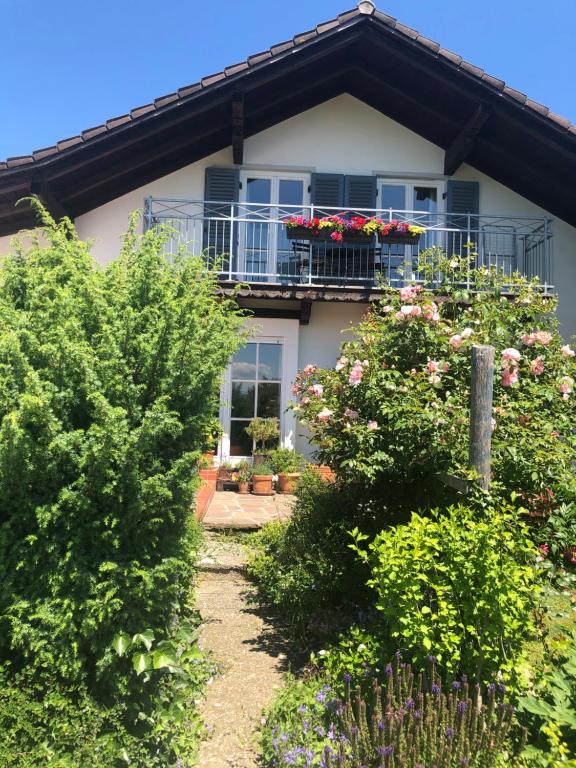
point(314, 127)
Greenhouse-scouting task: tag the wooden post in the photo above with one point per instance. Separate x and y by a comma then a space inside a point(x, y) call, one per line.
point(481, 411)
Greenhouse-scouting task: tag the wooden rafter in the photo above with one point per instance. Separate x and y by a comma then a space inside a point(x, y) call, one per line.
point(49, 200)
point(238, 129)
point(463, 144)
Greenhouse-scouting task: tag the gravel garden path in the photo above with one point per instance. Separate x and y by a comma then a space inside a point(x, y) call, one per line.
point(251, 655)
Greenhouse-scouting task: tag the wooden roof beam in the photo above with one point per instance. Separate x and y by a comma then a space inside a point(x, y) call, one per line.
point(238, 129)
point(464, 142)
point(46, 196)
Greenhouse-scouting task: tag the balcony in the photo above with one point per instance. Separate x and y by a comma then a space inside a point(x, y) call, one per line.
point(252, 245)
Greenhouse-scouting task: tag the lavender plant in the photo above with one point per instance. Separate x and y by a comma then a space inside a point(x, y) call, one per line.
point(410, 722)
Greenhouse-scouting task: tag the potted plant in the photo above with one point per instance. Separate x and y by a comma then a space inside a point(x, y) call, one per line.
point(243, 476)
point(288, 465)
point(262, 431)
point(399, 233)
point(359, 230)
point(262, 478)
point(226, 475)
point(212, 435)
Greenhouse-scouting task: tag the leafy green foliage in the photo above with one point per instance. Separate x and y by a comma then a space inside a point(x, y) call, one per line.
point(304, 568)
point(456, 585)
point(109, 379)
point(286, 460)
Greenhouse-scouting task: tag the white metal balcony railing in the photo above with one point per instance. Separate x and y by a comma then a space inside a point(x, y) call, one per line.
point(251, 243)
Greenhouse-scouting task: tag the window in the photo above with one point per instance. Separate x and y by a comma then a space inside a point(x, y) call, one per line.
point(256, 390)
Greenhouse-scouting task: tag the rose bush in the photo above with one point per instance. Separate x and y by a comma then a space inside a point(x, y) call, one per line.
point(394, 411)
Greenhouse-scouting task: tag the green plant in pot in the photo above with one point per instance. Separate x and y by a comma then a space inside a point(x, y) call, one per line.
point(288, 465)
point(263, 432)
point(244, 476)
point(212, 437)
point(262, 478)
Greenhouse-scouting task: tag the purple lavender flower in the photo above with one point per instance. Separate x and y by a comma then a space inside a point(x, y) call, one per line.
point(491, 687)
point(432, 659)
point(386, 751)
point(435, 689)
point(302, 708)
point(450, 732)
point(417, 714)
point(501, 688)
point(381, 725)
point(464, 761)
point(320, 696)
point(347, 677)
point(462, 706)
point(409, 704)
point(456, 685)
point(388, 670)
point(398, 655)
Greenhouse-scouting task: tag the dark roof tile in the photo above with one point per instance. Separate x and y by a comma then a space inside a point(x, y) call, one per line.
point(143, 110)
point(467, 67)
point(279, 48)
point(517, 95)
point(11, 162)
point(38, 154)
point(327, 26)
point(450, 55)
point(188, 90)
point(389, 20)
point(170, 98)
point(408, 31)
point(559, 119)
point(257, 58)
point(117, 121)
point(211, 79)
point(303, 37)
point(495, 82)
point(71, 142)
point(428, 43)
point(89, 133)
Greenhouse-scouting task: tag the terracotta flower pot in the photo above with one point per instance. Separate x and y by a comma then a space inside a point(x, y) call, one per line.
point(324, 472)
point(287, 481)
point(243, 487)
point(208, 456)
point(262, 485)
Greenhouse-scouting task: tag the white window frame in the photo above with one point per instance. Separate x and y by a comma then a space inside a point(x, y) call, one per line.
point(274, 177)
point(266, 330)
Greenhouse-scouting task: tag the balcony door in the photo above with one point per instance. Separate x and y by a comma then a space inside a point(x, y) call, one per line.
point(265, 252)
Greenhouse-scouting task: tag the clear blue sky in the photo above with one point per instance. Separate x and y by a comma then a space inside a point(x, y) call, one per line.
point(67, 65)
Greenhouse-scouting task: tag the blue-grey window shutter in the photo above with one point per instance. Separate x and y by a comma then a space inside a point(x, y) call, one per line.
point(221, 190)
point(463, 207)
point(360, 192)
point(327, 191)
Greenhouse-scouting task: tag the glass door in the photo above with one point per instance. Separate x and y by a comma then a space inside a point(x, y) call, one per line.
point(418, 203)
point(266, 254)
point(255, 390)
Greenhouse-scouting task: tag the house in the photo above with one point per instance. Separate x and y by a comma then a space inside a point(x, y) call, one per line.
point(359, 114)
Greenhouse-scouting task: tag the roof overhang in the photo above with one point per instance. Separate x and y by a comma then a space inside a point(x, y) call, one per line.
point(471, 115)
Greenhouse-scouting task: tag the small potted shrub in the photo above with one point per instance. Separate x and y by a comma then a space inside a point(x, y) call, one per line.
point(263, 432)
point(262, 478)
point(212, 436)
point(243, 476)
point(226, 475)
point(287, 464)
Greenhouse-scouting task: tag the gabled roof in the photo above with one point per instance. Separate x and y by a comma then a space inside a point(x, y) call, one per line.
point(474, 116)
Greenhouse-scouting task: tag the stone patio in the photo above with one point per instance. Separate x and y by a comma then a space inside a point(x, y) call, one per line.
point(245, 511)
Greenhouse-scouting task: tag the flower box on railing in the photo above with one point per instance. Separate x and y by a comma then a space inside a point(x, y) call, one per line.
point(399, 233)
point(305, 233)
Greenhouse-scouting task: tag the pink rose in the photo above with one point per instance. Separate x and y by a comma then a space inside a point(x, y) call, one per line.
point(372, 425)
point(351, 414)
point(433, 366)
point(401, 317)
point(543, 337)
point(341, 362)
point(511, 355)
point(387, 309)
point(455, 341)
point(324, 414)
point(529, 339)
point(416, 311)
point(430, 311)
point(295, 388)
point(544, 549)
point(355, 376)
point(309, 370)
point(566, 387)
point(316, 389)
point(406, 309)
point(444, 366)
point(567, 351)
point(537, 366)
point(409, 292)
point(434, 379)
point(466, 333)
point(305, 401)
point(509, 377)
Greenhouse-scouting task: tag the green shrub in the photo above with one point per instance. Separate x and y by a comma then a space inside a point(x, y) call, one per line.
point(458, 586)
point(304, 568)
point(286, 460)
point(108, 382)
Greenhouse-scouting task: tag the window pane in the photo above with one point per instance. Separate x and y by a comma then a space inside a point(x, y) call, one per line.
point(426, 199)
point(244, 363)
point(270, 362)
point(243, 399)
point(269, 400)
point(393, 196)
point(258, 190)
point(240, 443)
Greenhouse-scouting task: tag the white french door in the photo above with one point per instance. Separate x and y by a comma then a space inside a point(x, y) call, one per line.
point(265, 252)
